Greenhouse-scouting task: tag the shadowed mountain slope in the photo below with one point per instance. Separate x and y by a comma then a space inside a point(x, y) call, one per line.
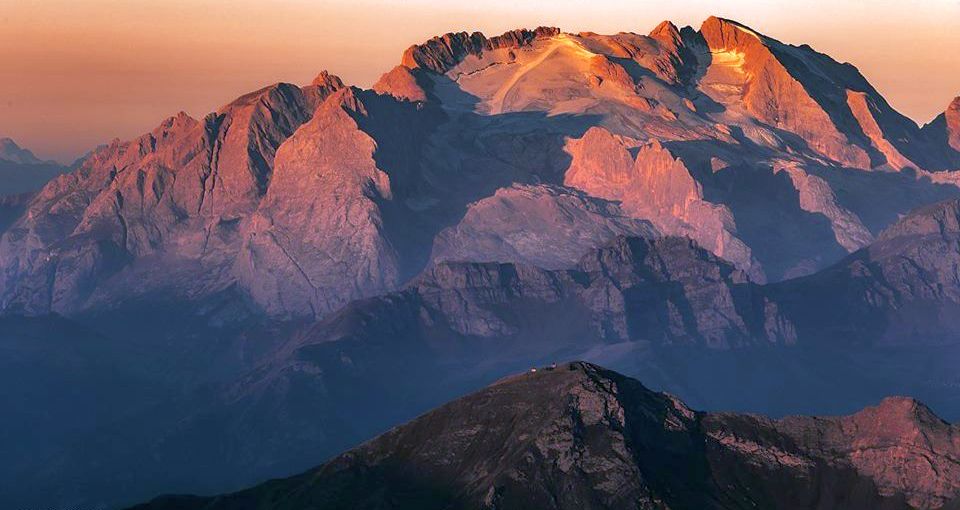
point(903, 289)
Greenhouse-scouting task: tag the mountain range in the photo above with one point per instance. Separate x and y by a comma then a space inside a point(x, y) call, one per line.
point(745, 223)
point(721, 135)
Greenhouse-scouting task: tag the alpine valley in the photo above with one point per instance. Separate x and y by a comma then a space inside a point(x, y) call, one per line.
point(743, 223)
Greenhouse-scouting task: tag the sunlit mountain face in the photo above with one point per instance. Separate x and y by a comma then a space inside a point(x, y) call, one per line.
point(743, 223)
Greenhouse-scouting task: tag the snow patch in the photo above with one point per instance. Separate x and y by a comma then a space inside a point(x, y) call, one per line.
point(731, 59)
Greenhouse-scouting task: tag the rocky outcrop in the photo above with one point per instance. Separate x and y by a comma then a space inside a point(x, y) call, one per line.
point(952, 120)
point(578, 436)
point(941, 219)
point(700, 300)
point(656, 186)
point(322, 86)
point(677, 63)
point(402, 83)
point(865, 111)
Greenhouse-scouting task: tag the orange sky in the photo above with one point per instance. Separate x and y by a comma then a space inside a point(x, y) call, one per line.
point(75, 73)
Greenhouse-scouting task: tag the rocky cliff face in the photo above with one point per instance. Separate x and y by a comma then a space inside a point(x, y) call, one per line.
point(658, 186)
point(579, 436)
point(317, 239)
point(666, 292)
point(740, 57)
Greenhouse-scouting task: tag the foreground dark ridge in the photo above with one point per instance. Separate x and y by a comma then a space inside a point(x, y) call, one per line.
point(581, 437)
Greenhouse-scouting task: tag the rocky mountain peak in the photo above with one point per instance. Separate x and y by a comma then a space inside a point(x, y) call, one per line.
point(906, 448)
point(666, 31)
point(325, 79)
point(179, 121)
point(442, 53)
point(269, 95)
point(322, 86)
point(901, 410)
point(723, 33)
point(10, 151)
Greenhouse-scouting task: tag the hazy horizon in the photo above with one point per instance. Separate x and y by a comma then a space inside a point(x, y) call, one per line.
point(77, 74)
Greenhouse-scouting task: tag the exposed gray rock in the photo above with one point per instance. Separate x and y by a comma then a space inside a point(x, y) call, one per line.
point(546, 226)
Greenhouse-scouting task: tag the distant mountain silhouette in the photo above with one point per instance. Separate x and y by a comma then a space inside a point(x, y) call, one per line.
point(22, 172)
